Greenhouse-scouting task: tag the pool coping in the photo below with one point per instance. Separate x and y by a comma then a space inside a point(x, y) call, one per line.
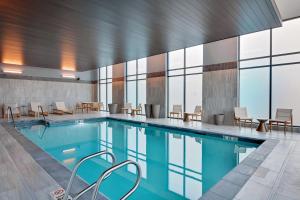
point(226, 188)
point(56, 170)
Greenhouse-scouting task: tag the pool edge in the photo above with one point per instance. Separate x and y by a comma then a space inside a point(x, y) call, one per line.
point(245, 169)
point(56, 170)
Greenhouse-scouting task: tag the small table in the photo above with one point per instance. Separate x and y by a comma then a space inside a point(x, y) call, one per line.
point(125, 110)
point(186, 117)
point(262, 125)
point(134, 111)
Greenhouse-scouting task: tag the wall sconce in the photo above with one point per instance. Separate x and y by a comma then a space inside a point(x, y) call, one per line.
point(12, 71)
point(72, 76)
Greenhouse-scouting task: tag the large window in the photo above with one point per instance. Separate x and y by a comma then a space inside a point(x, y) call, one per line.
point(286, 38)
point(286, 68)
point(254, 73)
point(105, 86)
point(136, 82)
point(254, 91)
point(269, 69)
point(255, 45)
point(185, 78)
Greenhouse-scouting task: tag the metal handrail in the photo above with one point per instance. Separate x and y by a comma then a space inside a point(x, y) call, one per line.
point(40, 107)
point(75, 171)
point(12, 116)
point(108, 172)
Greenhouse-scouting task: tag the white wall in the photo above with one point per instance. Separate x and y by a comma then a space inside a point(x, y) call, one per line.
point(23, 92)
point(90, 75)
point(45, 86)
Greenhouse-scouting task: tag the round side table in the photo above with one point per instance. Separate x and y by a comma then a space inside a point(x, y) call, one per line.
point(262, 125)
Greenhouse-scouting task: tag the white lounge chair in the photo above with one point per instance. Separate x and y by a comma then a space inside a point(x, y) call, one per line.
point(97, 106)
point(241, 115)
point(177, 110)
point(197, 112)
point(79, 106)
point(139, 109)
point(126, 108)
point(283, 116)
point(61, 109)
point(34, 109)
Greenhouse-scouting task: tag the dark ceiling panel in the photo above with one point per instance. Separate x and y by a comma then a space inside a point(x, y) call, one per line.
point(83, 35)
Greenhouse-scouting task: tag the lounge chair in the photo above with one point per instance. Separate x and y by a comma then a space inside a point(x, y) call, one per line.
point(14, 108)
point(126, 108)
point(79, 106)
point(177, 110)
point(241, 115)
point(101, 106)
point(283, 116)
point(34, 109)
point(96, 106)
point(197, 112)
point(61, 109)
point(140, 109)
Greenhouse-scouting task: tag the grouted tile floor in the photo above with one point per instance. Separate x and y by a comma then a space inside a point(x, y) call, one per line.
point(275, 176)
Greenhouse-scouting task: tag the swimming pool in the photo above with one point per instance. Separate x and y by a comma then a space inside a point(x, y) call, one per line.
point(175, 164)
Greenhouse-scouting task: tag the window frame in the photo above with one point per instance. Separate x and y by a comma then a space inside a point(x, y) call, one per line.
point(136, 79)
point(270, 66)
point(184, 68)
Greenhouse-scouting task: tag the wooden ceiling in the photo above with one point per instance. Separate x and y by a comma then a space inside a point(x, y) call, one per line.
point(86, 34)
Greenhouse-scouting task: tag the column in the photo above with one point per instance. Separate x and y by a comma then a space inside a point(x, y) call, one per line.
point(156, 82)
point(118, 85)
point(220, 79)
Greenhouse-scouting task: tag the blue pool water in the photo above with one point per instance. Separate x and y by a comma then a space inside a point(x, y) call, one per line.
point(175, 164)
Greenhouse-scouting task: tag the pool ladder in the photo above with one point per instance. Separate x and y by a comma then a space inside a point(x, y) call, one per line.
point(104, 175)
point(11, 114)
point(43, 114)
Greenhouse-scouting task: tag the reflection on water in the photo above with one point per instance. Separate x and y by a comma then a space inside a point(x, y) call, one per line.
point(185, 165)
point(175, 165)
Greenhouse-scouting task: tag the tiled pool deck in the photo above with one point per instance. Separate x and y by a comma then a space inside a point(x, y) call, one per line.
point(270, 172)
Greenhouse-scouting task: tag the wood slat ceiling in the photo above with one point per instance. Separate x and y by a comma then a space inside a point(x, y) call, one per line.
point(83, 35)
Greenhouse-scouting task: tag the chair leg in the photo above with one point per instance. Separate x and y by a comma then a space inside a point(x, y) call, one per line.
point(284, 129)
point(270, 126)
